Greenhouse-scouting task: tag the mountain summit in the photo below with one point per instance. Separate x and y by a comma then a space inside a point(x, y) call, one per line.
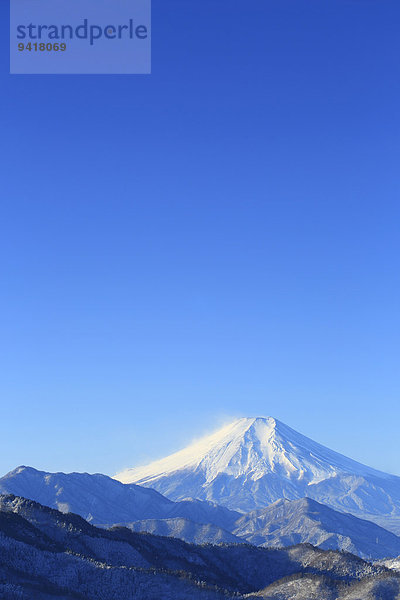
point(253, 462)
point(250, 448)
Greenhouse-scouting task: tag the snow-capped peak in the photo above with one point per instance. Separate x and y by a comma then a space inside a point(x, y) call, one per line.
point(251, 447)
point(252, 462)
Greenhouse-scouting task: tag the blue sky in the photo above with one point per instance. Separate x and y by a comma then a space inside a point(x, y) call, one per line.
point(218, 239)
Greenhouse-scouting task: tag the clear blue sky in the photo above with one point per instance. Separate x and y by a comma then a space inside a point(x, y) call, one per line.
point(218, 239)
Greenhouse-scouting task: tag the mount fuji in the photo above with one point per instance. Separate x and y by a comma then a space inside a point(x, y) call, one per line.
point(254, 462)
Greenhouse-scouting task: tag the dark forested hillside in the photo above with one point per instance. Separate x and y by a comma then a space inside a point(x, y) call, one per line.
point(48, 554)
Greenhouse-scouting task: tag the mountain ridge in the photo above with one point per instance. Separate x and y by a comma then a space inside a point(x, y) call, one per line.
point(102, 500)
point(288, 522)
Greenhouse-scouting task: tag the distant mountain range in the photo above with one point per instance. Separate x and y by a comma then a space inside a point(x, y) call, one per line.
point(103, 501)
point(254, 462)
point(106, 502)
point(49, 555)
point(289, 522)
point(188, 531)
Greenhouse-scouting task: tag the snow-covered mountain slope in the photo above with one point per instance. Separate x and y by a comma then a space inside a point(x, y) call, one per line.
point(391, 563)
point(315, 587)
point(289, 522)
point(188, 531)
point(253, 462)
point(102, 500)
point(95, 497)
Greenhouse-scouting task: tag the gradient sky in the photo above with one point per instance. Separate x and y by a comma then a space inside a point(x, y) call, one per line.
point(218, 239)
